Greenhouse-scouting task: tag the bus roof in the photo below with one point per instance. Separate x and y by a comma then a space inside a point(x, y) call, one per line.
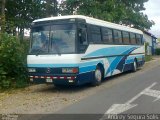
point(93, 21)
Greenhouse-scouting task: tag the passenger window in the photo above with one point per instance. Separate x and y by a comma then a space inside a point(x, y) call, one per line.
point(133, 38)
point(117, 36)
point(138, 39)
point(96, 34)
point(107, 35)
point(125, 37)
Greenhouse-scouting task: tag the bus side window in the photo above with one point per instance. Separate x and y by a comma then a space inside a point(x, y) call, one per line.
point(117, 36)
point(96, 37)
point(126, 39)
point(142, 39)
point(139, 39)
point(107, 35)
point(133, 38)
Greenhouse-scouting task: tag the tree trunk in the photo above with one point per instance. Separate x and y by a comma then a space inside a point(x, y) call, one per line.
point(55, 8)
point(3, 16)
point(51, 8)
point(48, 8)
point(3, 7)
point(21, 34)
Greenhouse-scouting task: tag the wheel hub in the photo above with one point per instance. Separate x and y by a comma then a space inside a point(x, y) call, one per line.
point(98, 75)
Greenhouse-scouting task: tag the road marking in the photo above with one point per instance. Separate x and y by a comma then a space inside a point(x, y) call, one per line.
point(120, 108)
point(153, 93)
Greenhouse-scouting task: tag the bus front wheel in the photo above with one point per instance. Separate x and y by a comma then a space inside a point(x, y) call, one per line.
point(97, 76)
point(134, 66)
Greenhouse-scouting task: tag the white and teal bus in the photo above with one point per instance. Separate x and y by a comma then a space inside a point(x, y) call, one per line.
point(75, 49)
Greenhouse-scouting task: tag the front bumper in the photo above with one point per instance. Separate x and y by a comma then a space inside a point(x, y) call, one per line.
point(59, 80)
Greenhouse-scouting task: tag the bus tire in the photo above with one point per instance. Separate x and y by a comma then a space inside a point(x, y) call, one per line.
point(97, 76)
point(135, 65)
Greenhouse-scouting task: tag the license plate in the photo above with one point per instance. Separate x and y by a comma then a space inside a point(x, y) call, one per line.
point(48, 80)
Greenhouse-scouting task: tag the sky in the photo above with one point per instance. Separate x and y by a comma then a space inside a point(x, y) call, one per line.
point(153, 13)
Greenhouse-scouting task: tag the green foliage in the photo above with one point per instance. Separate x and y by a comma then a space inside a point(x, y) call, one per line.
point(157, 52)
point(127, 12)
point(51, 7)
point(148, 58)
point(20, 13)
point(12, 62)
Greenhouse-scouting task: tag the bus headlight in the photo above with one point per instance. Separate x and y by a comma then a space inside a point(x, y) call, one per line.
point(31, 70)
point(69, 70)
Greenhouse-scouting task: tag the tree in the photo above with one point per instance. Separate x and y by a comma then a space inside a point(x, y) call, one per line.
point(134, 17)
point(51, 8)
point(20, 14)
point(117, 11)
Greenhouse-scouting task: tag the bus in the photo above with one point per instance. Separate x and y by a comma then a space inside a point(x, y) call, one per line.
point(76, 49)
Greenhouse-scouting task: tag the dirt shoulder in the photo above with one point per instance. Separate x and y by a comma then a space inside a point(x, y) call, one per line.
point(45, 99)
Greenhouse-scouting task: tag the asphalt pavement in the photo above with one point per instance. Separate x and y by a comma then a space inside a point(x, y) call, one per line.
point(138, 94)
point(146, 102)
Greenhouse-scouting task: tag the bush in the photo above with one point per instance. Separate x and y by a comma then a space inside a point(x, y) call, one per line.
point(157, 52)
point(12, 62)
point(148, 58)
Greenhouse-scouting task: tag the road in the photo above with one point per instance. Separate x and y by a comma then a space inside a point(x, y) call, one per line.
point(138, 93)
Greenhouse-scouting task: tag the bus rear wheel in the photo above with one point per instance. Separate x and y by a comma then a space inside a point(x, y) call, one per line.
point(97, 76)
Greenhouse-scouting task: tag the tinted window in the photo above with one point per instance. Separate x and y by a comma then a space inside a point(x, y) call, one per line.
point(107, 35)
point(117, 36)
point(142, 39)
point(138, 39)
point(96, 34)
point(133, 38)
point(125, 37)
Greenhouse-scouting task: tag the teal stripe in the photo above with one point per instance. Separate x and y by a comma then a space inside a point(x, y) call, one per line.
point(83, 67)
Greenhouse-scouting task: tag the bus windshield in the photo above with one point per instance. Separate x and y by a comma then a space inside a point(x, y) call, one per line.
point(54, 39)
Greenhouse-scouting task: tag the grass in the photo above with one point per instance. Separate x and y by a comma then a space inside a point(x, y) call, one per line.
point(148, 58)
